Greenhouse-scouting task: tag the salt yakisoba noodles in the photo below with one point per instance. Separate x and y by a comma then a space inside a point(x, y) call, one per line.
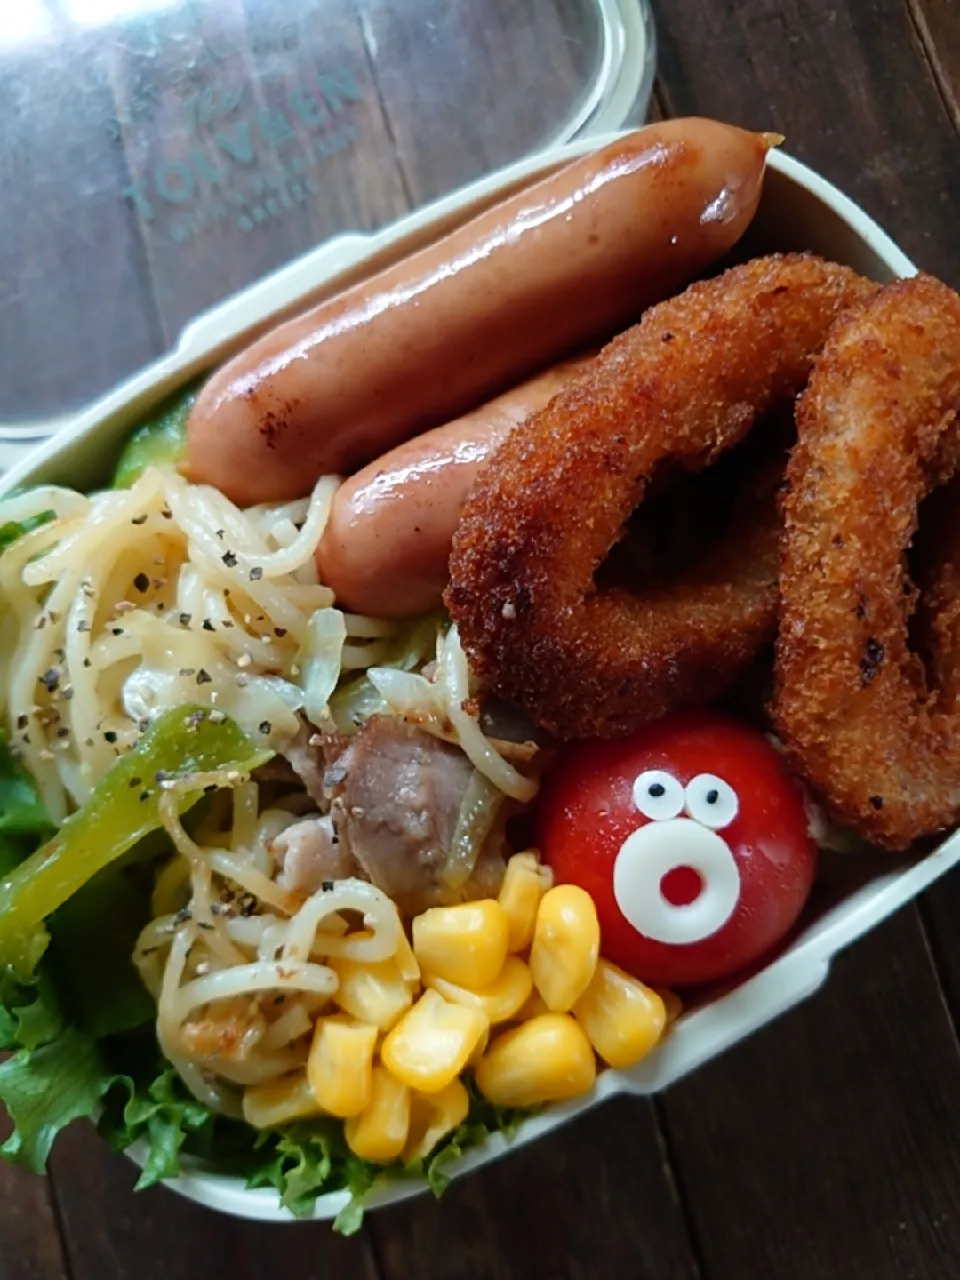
point(367, 781)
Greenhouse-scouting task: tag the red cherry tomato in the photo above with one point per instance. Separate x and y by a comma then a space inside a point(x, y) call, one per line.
point(691, 839)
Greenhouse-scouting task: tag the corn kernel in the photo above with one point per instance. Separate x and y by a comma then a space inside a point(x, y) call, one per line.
point(379, 1132)
point(466, 944)
point(524, 884)
point(479, 1049)
point(406, 960)
point(501, 1000)
point(433, 1116)
point(622, 1018)
point(371, 992)
point(280, 1101)
point(340, 1065)
point(566, 944)
point(671, 1003)
point(548, 1059)
point(532, 1007)
point(432, 1042)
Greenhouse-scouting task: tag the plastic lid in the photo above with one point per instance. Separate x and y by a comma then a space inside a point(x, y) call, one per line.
point(162, 154)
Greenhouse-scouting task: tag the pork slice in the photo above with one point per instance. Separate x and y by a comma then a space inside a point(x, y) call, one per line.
point(308, 854)
point(308, 754)
point(396, 806)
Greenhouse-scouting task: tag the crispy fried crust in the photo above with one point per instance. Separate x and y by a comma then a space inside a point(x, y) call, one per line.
point(681, 387)
point(873, 730)
point(935, 560)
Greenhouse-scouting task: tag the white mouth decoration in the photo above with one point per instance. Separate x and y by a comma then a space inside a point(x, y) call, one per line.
point(682, 833)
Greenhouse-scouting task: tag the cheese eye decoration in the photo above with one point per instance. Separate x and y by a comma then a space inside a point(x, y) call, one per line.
point(711, 801)
point(658, 795)
point(692, 840)
point(658, 865)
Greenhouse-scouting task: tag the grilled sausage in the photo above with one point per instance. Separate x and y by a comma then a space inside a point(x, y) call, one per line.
point(565, 262)
point(387, 542)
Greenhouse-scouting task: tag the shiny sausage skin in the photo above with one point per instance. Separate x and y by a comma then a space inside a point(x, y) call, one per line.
point(564, 263)
point(387, 542)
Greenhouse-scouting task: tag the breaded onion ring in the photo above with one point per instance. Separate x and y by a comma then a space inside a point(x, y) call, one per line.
point(935, 560)
point(675, 391)
point(872, 729)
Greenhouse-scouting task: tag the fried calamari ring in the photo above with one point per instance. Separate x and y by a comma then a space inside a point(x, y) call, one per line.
point(675, 391)
point(871, 727)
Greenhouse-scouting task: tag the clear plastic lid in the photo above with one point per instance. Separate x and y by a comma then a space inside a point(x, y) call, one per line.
point(159, 155)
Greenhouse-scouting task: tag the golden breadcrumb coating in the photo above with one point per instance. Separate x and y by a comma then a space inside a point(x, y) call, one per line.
point(870, 725)
point(676, 391)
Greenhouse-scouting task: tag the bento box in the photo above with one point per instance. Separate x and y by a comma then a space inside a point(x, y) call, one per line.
point(799, 211)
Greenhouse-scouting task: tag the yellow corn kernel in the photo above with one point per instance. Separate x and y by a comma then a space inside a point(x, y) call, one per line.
point(566, 944)
point(501, 999)
point(622, 1018)
point(479, 1049)
point(371, 992)
point(280, 1101)
point(532, 1007)
point(340, 1065)
point(433, 1116)
point(379, 1132)
point(432, 1042)
point(466, 944)
point(406, 960)
point(671, 1003)
point(548, 1059)
point(525, 882)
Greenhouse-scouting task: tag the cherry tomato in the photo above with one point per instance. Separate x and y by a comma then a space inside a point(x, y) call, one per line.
point(690, 837)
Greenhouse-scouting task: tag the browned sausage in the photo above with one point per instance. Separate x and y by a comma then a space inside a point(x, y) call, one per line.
point(565, 262)
point(386, 545)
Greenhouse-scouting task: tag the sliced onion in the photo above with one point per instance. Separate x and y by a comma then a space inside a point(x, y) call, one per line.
point(320, 660)
point(354, 704)
point(478, 812)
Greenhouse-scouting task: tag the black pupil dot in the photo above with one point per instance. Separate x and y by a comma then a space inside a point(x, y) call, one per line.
point(713, 795)
point(657, 789)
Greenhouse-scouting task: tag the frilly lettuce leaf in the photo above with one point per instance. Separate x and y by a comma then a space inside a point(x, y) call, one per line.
point(55, 1076)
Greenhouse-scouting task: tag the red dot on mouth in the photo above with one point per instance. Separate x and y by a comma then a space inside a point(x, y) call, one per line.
point(681, 886)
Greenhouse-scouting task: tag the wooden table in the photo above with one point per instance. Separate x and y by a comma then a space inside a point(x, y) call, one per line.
point(828, 1145)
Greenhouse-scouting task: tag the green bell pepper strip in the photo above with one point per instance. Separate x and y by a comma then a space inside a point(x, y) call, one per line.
point(159, 441)
point(123, 808)
point(14, 529)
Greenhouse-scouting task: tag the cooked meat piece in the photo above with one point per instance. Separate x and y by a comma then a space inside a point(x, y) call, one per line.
point(277, 769)
point(306, 758)
point(308, 853)
point(229, 1030)
point(396, 810)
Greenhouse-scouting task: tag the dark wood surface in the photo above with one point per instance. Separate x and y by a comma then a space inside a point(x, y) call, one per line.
point(829, 1144)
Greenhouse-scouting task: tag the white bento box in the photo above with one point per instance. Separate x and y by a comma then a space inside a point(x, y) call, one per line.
point(799, 210)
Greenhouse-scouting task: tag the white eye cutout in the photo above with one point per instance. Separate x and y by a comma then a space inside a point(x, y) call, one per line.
point(658, 795)
point(649, 855)
point(711, 801)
